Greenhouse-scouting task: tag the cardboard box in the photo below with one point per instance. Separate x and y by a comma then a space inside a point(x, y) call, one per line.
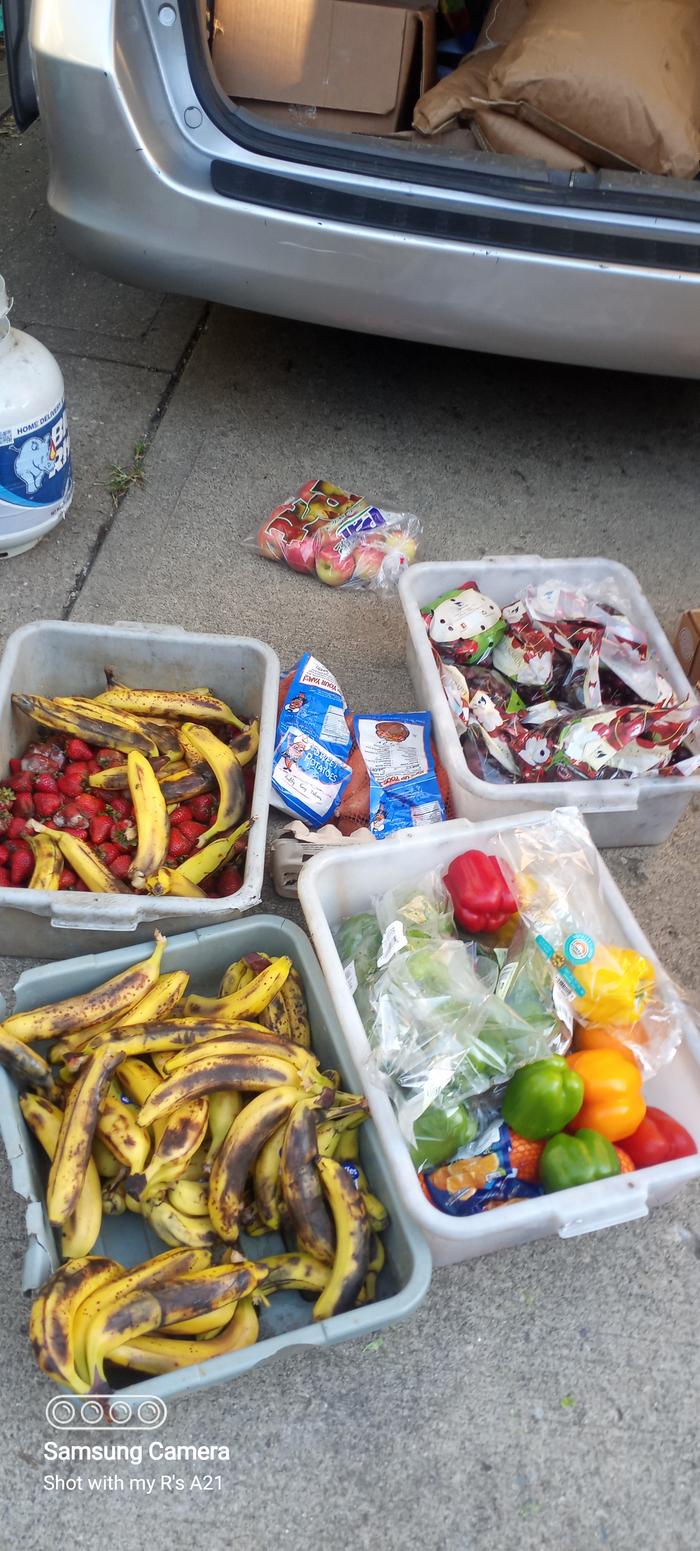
point(687, 645)
point(357, 66)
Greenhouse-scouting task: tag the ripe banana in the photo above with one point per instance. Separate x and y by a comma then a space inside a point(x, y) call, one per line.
point(180, 785)
point(245, 1040)
point(301, 1186)
point(82, 1229)
point(197, 705)
point(174, 1227)
point(152, 822)
point(88, 866)
point(202, 863)
point(54, 1312)
point(228, 773)
point(266, 1180)
point(292, 1273)
point(189, 1196)
point(182, 1135)
point(235, 978)
point(48, 862)
point(245, 1003)
point(245, 745)
point(105, 1162)
point(159, 1002)
point(112, 1291)
point(276, 1018)
point(113, 1200)
point(294, 999)
point(377, 1214)
point(353, 1236)
point(224, 1105)
point(167, 881)
point(79, 1012)
point(248, 1074)
point(163, 1354)
point(207, 1324)
point(121, 1133)
point(113, 779)
point(169, 1034)
point(27, 1067)
point(368, 1291)
point(138, 1079)
point(86, 720)
point(229, 1175)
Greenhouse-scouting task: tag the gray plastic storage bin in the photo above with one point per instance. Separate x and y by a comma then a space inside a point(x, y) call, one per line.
point(54, 657)
point(286, 1323)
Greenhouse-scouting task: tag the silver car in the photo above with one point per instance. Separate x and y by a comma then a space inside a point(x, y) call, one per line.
point(158, 178)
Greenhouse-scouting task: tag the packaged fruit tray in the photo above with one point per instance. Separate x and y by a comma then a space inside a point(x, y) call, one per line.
point(116, 814)
point(341, 885)
point(277, 1318)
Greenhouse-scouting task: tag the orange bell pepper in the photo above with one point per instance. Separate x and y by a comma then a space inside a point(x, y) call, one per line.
point(612, 1093)
point(590, 1037)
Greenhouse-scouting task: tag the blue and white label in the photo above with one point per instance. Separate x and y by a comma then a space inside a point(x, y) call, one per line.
point(35, 467)
point(579, 948)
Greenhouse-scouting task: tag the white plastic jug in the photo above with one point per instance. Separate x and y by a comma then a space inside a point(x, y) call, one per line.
point(36, 484)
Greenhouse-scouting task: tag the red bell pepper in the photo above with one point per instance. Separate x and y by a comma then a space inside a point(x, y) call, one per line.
point(479, 892)
point(658, 1139)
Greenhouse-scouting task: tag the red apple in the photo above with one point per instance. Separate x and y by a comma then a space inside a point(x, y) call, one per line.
point(272, 538)
point(332, 568)
point(300, 553)
point(369, 559)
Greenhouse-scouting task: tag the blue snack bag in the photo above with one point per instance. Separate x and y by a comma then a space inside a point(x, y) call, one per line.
point(315, 704)
point(403, 786)
point(309, 779)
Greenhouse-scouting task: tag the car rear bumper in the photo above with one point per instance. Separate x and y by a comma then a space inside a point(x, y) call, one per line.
point(132, 193)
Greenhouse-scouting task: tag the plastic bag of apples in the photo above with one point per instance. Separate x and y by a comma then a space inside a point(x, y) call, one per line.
point(341, 538)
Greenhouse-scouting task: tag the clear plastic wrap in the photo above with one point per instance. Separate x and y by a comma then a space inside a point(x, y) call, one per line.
point(343, 539)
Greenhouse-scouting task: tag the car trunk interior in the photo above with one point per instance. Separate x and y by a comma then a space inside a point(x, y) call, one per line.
point(596, 96)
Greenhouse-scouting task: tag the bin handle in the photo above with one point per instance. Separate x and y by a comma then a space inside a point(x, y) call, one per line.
point(625, 1206)
point(511, 559)
point(140, 625)
point(67, 913)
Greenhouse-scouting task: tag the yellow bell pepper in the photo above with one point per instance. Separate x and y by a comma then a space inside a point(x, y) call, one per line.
point(617, 985)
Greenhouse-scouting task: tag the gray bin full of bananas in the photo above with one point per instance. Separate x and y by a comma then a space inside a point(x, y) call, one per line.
point(57, 657)
point(286, 1322)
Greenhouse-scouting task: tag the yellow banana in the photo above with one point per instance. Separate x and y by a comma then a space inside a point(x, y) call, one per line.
point(78, 1012)
point(198, 705)
point(159, 1002)
point(246, 1040)
point(152, 822)
point(207, 1324)
point(48, 862)
point(224, 1105)
point(245, 1003)
point(292, 1273)
point(105, 1161)
point(52, 1328)
point(138, 1079)
point(247, 1074)
point(235, 977)
point(75, 1138)
point(168, 881)
point(245, 745)
point(301, 1185)
point(88, 866)
point(113, 1200)
point(114, 779)
point(121, 1133)
point(26, 1065)
point(266, 1180)
point(236, 1156)
point(377, 1214)
point(294, 998)
point(204, 862)
point(189, 1196)
point(173, 1227)
point(368, 1291)
point(229, 777)
point(82, 1229)
point(180, 785)
point(182, 1135)
point(116, 1289)
point(276, 1018)
point(352, 1240)
point(163, 1354)
point(85, 719)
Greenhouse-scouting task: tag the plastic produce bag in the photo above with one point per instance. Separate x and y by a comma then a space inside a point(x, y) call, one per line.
point(343, 539)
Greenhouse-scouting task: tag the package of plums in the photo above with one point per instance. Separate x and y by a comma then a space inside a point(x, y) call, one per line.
point(343, 539)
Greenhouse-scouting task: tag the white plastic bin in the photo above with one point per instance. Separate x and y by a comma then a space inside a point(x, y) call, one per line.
point(53, 657)
point(637, 811)
point(343, 882)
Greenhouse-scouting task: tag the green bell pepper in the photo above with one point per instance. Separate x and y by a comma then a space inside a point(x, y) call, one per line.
point(577, 1160)
point(542, 1098)
point(440, 1132)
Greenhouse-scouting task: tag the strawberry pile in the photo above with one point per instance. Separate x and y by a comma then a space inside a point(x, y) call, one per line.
point(51, 783)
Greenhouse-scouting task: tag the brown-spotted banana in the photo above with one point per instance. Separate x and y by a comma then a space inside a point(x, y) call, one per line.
point(48, 862)
point(152, 822)
point(198, 705)
point(245, 1003)
point(228, 773)
point(27, 1067)
point(86, 720)
point(182, 1135)
point(301, 1186)
point(82, 1229)
point(236, 1156)
point(159, 1354)
point(111, 1291)
point(352, 1240)
point(78, 1012)
point(247, 1074)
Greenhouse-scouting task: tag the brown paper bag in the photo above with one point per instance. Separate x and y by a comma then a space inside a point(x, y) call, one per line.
point(453, 97)
point(617, 81)
point(513, 137)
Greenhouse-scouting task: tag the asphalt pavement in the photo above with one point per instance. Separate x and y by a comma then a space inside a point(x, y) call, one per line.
point(544, 1397)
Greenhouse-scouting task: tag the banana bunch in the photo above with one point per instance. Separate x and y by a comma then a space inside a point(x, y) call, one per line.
point(172, 754)
point(210, 1117)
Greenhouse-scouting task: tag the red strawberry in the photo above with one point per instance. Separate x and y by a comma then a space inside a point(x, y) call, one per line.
point(192, 832)
point(100, 828)
point(203, 808)
point(249, 783)
point(45, 783)
point(122, 837)
point(119, 868)
point(94, 767)
point(22, 782)
point(77, 750)
point(23, 806)
point(4, 878)
point(178, 847)
point(89, 804)
point(46, 804)
point(16, 828)
point(73, 781)
point(107, 757)
point(21, 868)
point(68, 878)
point(15, 765)
point(81, 888)
point(107, 852)
point(119, 807)
point(229, 881)
point(4, 853)
point(43, 757)
point(181, 815)
point(73, 816)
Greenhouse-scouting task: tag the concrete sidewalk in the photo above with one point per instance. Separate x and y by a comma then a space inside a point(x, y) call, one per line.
point(544, 1397)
